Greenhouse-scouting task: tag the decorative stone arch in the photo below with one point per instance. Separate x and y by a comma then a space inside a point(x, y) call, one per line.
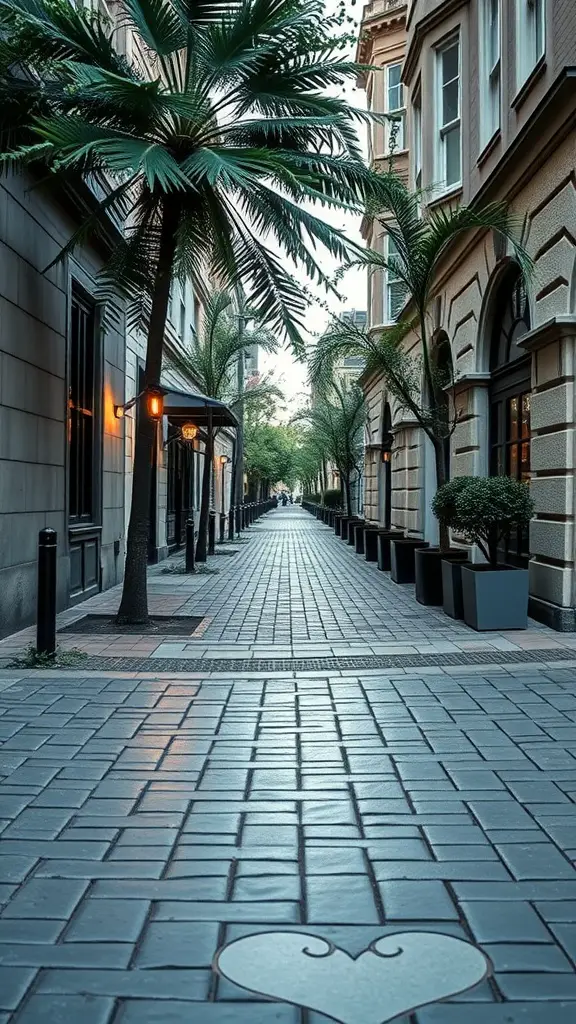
point(489, 311)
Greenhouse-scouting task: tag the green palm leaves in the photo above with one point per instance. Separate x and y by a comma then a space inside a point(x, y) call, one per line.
point(217, 115)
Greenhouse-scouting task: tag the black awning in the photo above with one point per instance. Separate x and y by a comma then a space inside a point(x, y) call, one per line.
point(199, 409)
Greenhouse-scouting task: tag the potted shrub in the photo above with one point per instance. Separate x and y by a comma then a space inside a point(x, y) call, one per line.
point(450, 582)
point(485, 512)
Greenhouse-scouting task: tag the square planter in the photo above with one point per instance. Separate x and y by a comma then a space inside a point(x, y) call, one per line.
point(352, 527)
point(384, 554)
point(452, 602)
point(370, 544)
point(361, 534)
point(338, 523)
point(428, 572)
point(495, 598)
point(402, 559)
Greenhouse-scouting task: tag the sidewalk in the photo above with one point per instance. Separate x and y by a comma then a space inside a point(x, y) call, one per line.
point(225, 843)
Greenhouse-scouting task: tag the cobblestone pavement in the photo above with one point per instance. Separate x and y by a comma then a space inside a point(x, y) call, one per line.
point(151, 821)
point(292, 590)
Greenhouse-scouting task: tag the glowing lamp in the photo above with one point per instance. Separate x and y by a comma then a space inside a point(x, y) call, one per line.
point(222, 459)
point(119, 412)
point(155, 403)
point(189, 431)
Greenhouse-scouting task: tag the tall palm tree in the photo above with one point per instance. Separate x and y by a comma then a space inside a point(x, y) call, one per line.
point(419, 244)
point(336, 425)
point(213, 158)
point(211, 360)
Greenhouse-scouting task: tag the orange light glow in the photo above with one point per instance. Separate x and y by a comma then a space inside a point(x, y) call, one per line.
point(155, 405)
point(189, 431)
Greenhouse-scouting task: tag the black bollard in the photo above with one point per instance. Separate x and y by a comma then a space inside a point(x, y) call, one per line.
point(46, 605)
point(238, 519)
point(231, 523)
point(190, 544)
point(211, 531)
point(222, 527)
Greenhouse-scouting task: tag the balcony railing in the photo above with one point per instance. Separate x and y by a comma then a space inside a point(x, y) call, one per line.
point(376, 7)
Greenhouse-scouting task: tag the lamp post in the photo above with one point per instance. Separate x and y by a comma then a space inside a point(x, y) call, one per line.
point(222, 459)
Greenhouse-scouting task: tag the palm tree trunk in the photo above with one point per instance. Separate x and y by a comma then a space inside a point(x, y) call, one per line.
point(202, 542)
point(441, 477)
point(134, 602)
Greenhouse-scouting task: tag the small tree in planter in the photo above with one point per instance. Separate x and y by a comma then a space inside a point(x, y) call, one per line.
point(485, 511)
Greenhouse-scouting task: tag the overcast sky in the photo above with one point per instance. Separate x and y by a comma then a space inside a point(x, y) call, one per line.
point(352, 288)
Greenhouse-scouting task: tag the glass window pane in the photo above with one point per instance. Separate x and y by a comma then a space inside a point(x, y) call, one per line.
point(513, 456)
point(450, 102)
point(396, 297)
point(526, 415)
point(452, 155)
point(450, 62)
point(513, 419)
point(525, 461)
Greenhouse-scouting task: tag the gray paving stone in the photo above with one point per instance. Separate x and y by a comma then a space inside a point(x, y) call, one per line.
point(30, 931)
point(67, 955)
point(144, 1012)
point(417, 901)
point(189, 910)
point(504, 922)
point(504, 1013)
point(46, 898)
point(40, 1009)
point(116, 920)
point(191, 986)
point(179, 944)
point(342, 899)
point(541, 987)
point(14, 983)
point(538, 861)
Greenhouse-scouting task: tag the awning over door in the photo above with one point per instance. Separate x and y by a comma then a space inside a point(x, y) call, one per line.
point(182, 405)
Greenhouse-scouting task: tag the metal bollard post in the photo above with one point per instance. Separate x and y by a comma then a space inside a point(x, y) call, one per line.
point(211, 531)
point(238, 519)
point(190, 544)
point(46, 604)
point(231, 523)
point(222, 527)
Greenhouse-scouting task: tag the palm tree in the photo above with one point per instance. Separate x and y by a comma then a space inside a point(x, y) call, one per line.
point(336, 425)
point(213, 158)
point(211, 360)
point(418, 383)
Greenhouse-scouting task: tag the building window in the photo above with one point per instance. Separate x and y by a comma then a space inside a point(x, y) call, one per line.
point(490, 87)
point(394, 105)
point(417, 140)
point(530, 36)
point(394, 287)
point(182, 320)
point(82, 411)
point(448, 106)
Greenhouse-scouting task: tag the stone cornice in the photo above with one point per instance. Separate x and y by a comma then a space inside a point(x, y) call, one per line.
point(551, 330)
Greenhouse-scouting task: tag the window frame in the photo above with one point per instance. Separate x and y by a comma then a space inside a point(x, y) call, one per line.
point(490, 73)
point(389, 281)
point(417, 139)
point(79, 415)
point(443, 130)
point(527, 26)
point(400, 111)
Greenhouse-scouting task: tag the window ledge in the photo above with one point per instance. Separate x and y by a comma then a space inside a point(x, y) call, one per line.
point(536, 73)
point(489, 148)
point(451, 193)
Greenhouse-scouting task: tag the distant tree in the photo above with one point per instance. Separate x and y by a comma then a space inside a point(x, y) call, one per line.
point(336, 423)
point(211, 360)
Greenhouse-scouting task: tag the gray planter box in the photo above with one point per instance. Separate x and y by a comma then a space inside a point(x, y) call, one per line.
point(495, 598)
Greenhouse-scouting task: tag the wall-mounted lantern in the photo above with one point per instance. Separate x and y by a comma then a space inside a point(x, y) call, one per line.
point(189, 431)
point(154, 403)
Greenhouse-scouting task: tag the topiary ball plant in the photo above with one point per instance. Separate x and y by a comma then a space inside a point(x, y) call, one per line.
point(332, 498)
point(444, 501)
point(487, 509)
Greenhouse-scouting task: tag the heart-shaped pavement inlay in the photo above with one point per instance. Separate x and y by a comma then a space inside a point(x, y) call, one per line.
point(395, 975)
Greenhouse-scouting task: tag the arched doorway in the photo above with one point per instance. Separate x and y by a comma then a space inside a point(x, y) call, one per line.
point(443, 379)
point(510, 390)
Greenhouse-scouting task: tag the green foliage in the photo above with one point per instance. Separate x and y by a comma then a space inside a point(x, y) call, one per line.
point(211, 358)
point(32, 658)
point(332, 498)
point(485, 511)
point(336, 425)
point(416, 381)
point(444, 501)
point(270, 454)
point(234, 131)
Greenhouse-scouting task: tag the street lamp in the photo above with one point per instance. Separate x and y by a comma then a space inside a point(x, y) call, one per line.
point(154, 403)
point(189, 431)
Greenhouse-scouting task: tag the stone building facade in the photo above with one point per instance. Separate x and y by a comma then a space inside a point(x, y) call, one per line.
point(490, 94)
point(61, 373)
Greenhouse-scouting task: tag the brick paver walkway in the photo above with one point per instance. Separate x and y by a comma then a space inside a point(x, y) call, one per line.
point(150, 820)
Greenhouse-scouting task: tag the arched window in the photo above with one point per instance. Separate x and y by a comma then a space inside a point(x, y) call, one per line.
point(510, 393)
